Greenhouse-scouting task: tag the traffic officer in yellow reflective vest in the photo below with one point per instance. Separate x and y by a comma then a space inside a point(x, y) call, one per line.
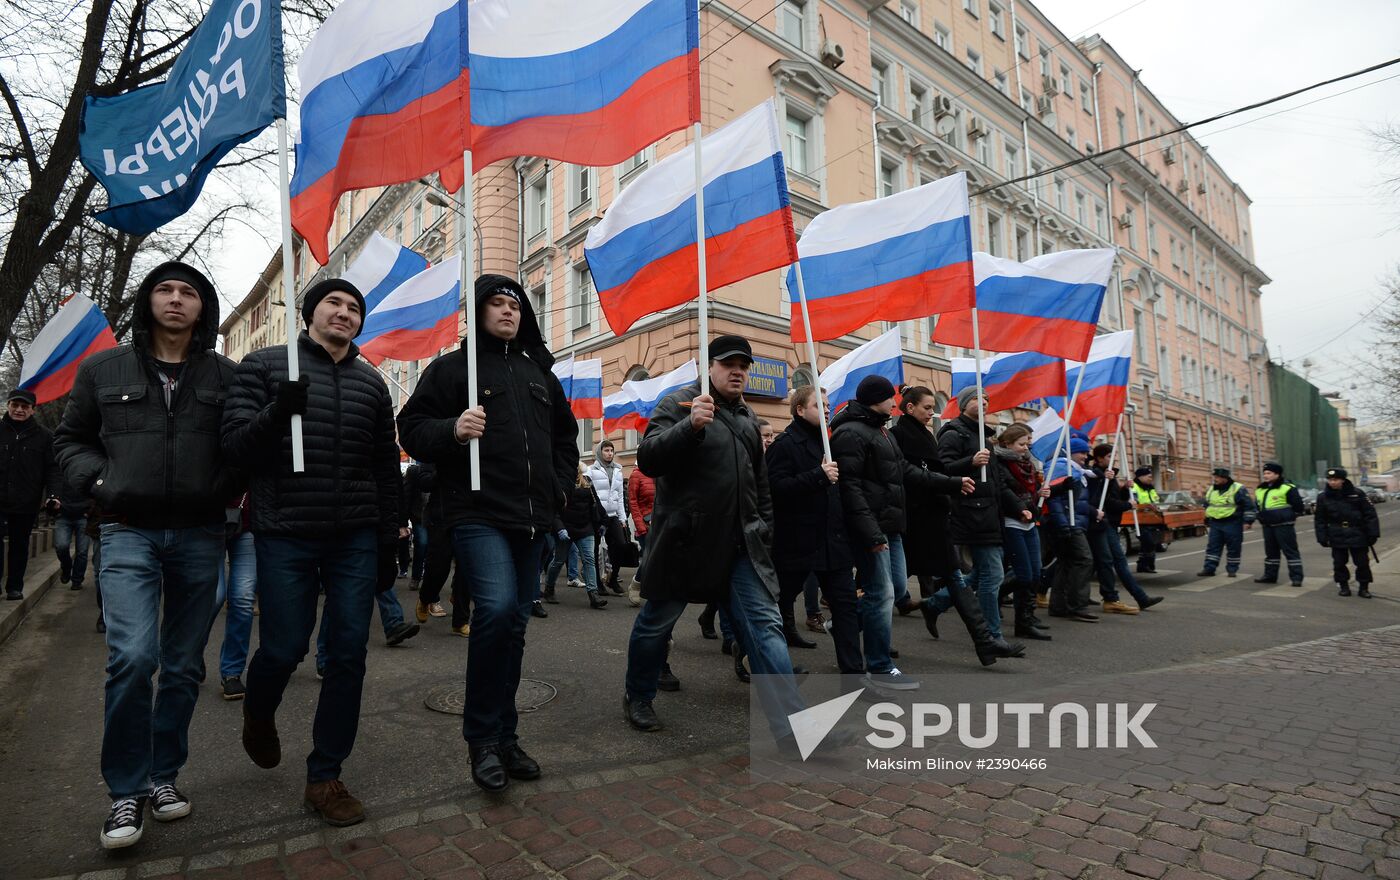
point(1279, 505)
point(1229, 511)
point(1145, 498)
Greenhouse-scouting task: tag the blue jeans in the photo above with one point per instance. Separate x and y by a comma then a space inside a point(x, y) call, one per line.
point(71, 530)
point(1228, 536)
point(291, 572)
point(420, 550)
point(1022, 550)
point(1111, 563)
point(876, 576)
point(758, 628)
point(237, 585)
point(941, 600)
point(390, 617)
point(577, 547)
point(987, 574)
point(503, 573)
point(145, 733)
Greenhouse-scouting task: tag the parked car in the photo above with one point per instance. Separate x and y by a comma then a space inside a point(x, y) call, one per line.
point(1309, 497)
point(1182, 515)
point(1376, 495)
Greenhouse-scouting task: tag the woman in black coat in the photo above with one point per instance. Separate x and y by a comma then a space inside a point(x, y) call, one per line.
point(577, 525)
point(1346, 522)
point(928, 546)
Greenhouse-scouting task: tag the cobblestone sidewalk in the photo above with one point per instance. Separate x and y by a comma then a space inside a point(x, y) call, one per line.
point(704, 818)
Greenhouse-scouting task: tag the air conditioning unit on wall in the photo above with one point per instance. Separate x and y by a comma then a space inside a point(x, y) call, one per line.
point(833, 55)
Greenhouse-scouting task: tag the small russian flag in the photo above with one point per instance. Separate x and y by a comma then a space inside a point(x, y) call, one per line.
point(631, 408)
point(51, 361)
point(1008, 380)
point(583, 386)
point(881, 356)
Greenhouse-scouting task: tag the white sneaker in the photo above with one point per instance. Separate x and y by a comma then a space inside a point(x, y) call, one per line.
point(575, 582)
point(894, 680)
point(634, 593)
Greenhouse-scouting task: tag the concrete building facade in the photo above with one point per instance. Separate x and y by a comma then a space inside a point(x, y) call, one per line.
point(874, 98)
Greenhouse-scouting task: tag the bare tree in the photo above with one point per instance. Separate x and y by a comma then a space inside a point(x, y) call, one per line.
point(1384, 400)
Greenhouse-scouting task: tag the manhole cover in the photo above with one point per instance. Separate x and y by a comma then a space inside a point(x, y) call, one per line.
point(449, 698)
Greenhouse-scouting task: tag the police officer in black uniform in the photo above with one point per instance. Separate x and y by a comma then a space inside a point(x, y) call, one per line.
point(1346, 522)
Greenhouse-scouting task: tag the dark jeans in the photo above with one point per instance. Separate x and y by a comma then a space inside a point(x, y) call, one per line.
point(71, 530)
point(16, 527)
point(1073, 565)
point(614, 536)
point(840, 592)
point(1282, 539)
point(1359, 557)
point(420, 550)
point(503, 573)
point(290, 575)
point(1148, 542)
point(160, 586)
point(1112, 565)
point(1227, 535)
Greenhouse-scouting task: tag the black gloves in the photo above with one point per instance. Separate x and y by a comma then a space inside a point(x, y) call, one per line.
point(388, 569)
point(290, 398)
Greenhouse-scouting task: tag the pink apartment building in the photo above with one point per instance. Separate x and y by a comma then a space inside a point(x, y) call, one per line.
point(874, 98)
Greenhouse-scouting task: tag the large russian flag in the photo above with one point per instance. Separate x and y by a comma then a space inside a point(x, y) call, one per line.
point(1008, 380)
point(418, 318)
point(1046, 429)
point(589, 81)
point(631, 408)
point(381, 267)
point(1104, 391)
point(583, 386)
point(51, 361)
point(899, 258)
point(1048, 304)
point(384, 100)
point(642, 253)
point(881, 356)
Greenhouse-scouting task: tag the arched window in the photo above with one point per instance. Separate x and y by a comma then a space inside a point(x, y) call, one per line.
point(802, 377)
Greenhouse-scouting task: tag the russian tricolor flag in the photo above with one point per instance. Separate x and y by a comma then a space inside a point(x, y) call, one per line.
point(589, 81)
point(384, 100)
point(51, 361)
point(380, 268)
point(1046, 429)
point(418, 318)
point(1008, 380)
point(631, 408)
point(881, 356)
point(1104, 391)
point(1048, 304)
point(899, 258)
point(583, 386)
point(643, 255)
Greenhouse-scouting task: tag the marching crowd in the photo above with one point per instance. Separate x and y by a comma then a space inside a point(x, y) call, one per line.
point(182, 463)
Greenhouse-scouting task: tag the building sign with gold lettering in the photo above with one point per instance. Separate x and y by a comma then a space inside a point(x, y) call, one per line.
point(767, 378)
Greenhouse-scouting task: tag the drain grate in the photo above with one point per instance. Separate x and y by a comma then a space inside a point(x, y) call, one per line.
point(450, 698)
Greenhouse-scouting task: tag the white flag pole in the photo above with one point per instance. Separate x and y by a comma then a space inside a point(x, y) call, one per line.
point(703, 361)
point(981, 409)
point(1063, 442)
point(812, 356)
point(1112, 457)
point(466, 199)
point(289, 287)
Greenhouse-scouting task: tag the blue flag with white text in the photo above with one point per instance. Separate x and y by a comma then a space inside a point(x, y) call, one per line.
point(152, 148)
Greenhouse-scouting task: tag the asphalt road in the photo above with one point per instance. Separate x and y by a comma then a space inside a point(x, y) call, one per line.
point(51, 674)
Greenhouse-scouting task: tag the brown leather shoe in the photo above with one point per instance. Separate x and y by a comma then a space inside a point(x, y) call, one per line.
point(334, 802)
point(260, 740)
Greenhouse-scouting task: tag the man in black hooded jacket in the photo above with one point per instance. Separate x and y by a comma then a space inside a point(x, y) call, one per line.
point(528, 442)
point(140, 436)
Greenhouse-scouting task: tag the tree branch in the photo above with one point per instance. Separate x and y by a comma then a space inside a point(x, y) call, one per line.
point(30, 157)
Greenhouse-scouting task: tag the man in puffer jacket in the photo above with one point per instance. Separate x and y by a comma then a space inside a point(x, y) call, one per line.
point(1346, 522)
point(528, 443)
point(606, 476)
point(873, 474)
point(1069, 595)
point(333, 525)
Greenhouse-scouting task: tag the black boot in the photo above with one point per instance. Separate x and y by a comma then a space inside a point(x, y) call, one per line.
point(790, 632)
point(488, 770)
point(547, 594)
point(930, 612)
point(1363, 591)
point(1027, 626)
point(640, 714)
point(739, 671)
point(518, 764)
point(970, 611)
point(707, 623)
point(1343, 590)
point(596, 601)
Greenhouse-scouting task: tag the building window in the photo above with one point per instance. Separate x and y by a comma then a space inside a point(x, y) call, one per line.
point(537, 207)
point(1131, 216)
point(798, 152)
point(880, 81)
point(539, 301)
point(1045, 62)
point(971, 7)
point(994, 241)
point(889, 178)
point(1101, 220)
point(792, 22)
point(632, 166)
point(1023, 244)
point(1013, 163)
point(909, 11)
point(996, 20)
point(1003, 83)
point(1037, 170)
point(942, 38)
point(1086, 100)
point(1152, 239)
point(1046, 246)
point(984, 150)
point(417, 219)
point(583, 297)
point(1022, 42)
point(1171, 246)
point(1081, 209)
point(918, 106)
point(1065, 81)
point(580, 186)
point(1122, 127)
point(1027, 100)
point(398, 230)
point(1164, 363)
point(1060, 199)
point(956, 133)
point(974, 60)
point(1071, 137)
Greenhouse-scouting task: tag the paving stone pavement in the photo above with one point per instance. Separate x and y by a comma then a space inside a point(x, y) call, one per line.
point(703, 817)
